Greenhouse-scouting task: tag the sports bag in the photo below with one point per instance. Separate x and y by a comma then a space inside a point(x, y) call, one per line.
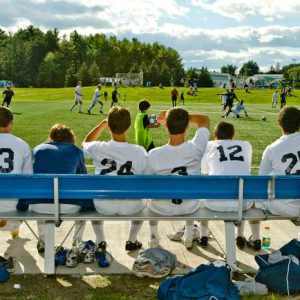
point(284, 276)
point(206, 282)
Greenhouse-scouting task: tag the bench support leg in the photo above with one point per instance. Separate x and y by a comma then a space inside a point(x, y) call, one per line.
point(49, 263)
point(230, 245)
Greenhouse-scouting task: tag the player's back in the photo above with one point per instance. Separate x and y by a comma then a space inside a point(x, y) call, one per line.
point(282, 157)
point(227, 157)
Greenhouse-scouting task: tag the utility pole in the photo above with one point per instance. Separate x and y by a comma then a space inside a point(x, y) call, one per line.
point(294, 61)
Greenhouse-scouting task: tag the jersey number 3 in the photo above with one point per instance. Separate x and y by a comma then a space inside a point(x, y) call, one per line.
point(8, 160)
point(232, 154)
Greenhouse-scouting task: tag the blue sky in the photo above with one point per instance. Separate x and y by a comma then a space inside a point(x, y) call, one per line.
point(209, 33)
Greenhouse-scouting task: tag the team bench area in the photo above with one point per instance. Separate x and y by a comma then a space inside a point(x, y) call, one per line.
point(56, 187)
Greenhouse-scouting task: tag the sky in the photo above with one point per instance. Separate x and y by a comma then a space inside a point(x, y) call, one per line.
point(206, 33)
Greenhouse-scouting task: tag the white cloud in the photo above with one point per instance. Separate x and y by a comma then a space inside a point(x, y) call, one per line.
point(240, 10)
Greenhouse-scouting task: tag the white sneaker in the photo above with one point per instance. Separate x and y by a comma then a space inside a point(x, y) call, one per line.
point(177, 236)
point(154, 242)
point(188, 243)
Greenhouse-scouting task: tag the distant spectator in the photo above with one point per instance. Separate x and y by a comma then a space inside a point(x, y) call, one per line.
point(181, 97)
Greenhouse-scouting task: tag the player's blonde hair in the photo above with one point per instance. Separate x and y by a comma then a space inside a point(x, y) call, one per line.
point(118, 119)
point(6, 116)
point(61, 133)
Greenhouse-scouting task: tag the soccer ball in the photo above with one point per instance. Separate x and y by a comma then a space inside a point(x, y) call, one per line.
point(152, 119)
point(263, 118)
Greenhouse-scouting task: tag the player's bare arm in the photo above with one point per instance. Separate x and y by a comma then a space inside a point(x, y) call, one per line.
point(161, 117)
point(200, 120)
point(156, 125)
point(94, 134)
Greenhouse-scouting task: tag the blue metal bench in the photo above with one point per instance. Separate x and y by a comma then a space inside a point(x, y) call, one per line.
point(56, 187)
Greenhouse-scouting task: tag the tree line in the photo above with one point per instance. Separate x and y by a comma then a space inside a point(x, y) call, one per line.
point(31, 57)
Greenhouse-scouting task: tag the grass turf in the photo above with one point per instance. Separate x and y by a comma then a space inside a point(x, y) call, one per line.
point(36, 110)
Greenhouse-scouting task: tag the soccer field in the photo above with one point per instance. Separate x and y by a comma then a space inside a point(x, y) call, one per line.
point(36, 110)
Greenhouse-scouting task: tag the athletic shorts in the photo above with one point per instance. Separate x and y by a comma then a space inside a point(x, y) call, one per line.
point(119, 207)
point(226, 205)
point(168, 208)
point(289, 208)
point(46, 208)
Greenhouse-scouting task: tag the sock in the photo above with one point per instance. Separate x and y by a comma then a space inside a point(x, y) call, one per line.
point(188, 233)
point(99, 231)
point(203, 228)
point(79, 109)
point(41, 230)
point(240, 229)
point(153, 229)
point(134, 230)
point(255, 229)
point(78, 230)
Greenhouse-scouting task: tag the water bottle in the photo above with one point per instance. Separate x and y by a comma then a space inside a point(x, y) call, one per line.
point(266, 239)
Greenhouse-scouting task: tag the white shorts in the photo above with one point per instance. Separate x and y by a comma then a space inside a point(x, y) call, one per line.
point(9, 205)
point(283, 207)
point(226, 205)
point(119, 207)
point(95, 101)
point(77, 99)
point(46, 208)
point(167, 208)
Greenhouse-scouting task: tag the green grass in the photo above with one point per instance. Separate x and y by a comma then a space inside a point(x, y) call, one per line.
point(36, 110)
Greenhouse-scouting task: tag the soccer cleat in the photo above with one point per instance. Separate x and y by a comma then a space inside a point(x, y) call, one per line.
point(148, 270)
point(177, 236)
point(14, 233)
point(202, 241)
point(240, 242)
point(71, 258)
point(40, 246)
point(101, 112)
point(86, 251)
point(255, 245)
point(101, 254)
point(7, 263)
point(154, 241)
point(133, 246)
point(89, 111)
point(188, 243)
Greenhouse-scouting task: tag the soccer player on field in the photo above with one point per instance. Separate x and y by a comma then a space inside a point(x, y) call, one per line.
point(283, 158)
point(229, 102)
point(59, 155)
point(96, 99)
point(227, 156)
point(178, 157)
point(224, 98)
point(142, 125)
point(78, 97)
point(116, 157)
point(15, 158)
point(8, 93)
point(274, 99)
point(114, 97)
point(238, 108)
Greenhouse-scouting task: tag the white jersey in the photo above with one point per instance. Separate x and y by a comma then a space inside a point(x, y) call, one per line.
point(78, 94)
point(184, 159)
point(227, 157)
point(97, 94)
point(15, 158)
point(274, 98)
point(117, 158)
point(238, 107)
point(282, 158)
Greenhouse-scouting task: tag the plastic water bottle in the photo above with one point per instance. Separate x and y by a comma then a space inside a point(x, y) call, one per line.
point(266, 239)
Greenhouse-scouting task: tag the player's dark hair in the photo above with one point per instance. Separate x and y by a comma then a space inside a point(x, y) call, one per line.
point(224, 131)
point(118, 119)
point(289, 119)
point(6, 116)
point(143, 105)
point(61, 133)
point(177, 120)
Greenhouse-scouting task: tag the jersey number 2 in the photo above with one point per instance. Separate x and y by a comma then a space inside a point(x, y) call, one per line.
point(124, 169)
point(8, 160)
point(294, 160)
point(232, 155)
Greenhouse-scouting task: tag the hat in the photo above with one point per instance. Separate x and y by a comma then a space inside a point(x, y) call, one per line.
point(4, 274)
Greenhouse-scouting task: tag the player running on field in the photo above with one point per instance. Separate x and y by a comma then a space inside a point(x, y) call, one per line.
point(229, 102)
point(226, 156)
point(178, 157)
point(116, 157)
point(96, 99)
point(238, 108)
point(274, 99)
point(223, 97)
point(78, 97)
point(8, 93)
point(115, 97)
point(283, 158)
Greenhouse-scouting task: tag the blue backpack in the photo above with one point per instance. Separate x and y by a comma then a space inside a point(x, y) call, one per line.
point(206, 282)
point(284, 276)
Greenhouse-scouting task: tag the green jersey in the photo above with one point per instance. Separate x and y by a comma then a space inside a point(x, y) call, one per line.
point(142, 134)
